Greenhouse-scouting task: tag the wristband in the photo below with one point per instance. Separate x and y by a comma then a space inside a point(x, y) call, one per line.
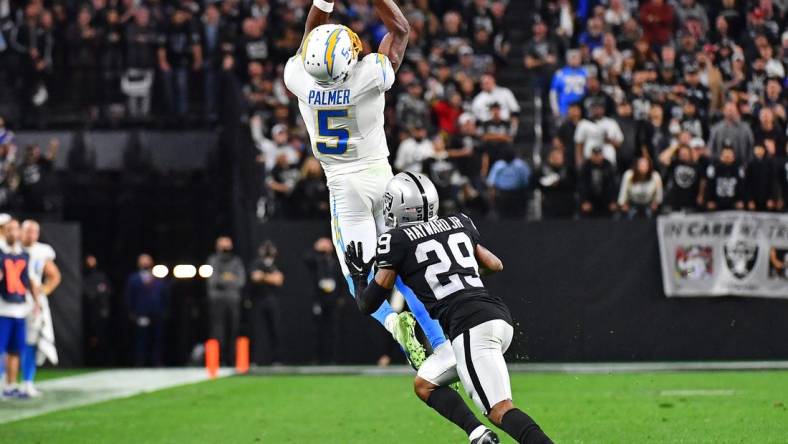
point(323, 5)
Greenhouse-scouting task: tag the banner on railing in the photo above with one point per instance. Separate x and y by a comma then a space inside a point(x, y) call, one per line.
point(733, 253)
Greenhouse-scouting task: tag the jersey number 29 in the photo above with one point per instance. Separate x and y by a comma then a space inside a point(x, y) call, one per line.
point(464, 259)
point(327, 133)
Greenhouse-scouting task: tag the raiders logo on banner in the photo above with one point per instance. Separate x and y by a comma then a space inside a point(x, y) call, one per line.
point(728, 253)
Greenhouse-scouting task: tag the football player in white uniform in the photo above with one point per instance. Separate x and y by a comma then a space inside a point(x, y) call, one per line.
point(40, 334)
point(341, 99)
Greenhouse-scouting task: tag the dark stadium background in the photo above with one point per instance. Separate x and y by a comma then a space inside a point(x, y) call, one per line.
point(169, 182)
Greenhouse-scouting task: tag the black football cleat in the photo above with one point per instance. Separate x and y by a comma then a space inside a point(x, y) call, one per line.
point(489, 437)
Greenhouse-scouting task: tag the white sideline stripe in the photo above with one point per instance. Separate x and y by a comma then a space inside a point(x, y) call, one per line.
point(98, 386)
point(698, 392)
point(583, 368)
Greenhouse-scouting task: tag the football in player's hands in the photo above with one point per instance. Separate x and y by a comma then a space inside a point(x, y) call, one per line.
point(354, 259)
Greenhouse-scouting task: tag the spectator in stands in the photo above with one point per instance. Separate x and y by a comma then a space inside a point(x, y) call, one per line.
point(179, 53)
point(282, 181)
point(492, 93)
point(444, 175)
point(447, 112)
point(558, 183)
point(656, 17)
point(725, 186)
point(566, 134)
point(465, 150)
point(96, 312)
point(215, 40)
point(595, 94)
point(224, 296)
point(598, 131)
point(568, 85)
point(593, 36)
point(36, 177)
point(311, 193)
point(653, 135)
point(266, 281)
point(141, 43)
point(147, 299)
point(110, 61)
point(733, 132)
point(541, 56)
point(83, 41)
point(597, 186)
point(253, 44)
point(641, 190)
point(412, 110)
point(414, 150)
point(687, 10)
point(760, 179)
point(628, 151)
point(497, 137)
point(328, 299)
point(770, 134)
point(683, 178)
point(508, 184)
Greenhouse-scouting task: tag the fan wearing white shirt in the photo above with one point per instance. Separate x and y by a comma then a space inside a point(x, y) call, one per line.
point(492, 93)
point(599, 130)
point(414, 150)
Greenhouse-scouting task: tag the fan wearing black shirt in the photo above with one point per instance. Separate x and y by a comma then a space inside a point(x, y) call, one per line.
point(441, 260)
point(597, 186)
point(496, 135)
point(725, 182)
point(683, 181)
point(558, 183)
point(179, 50)
point(760, 177)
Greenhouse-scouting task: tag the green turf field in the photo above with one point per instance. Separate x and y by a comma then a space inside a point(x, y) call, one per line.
point(721, 407)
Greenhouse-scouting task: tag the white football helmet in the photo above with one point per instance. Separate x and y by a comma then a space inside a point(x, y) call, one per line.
point(329, 53)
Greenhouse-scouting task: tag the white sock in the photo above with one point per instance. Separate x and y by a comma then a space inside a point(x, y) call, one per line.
point(477, 432)
point(28, 385)
point(390, 322)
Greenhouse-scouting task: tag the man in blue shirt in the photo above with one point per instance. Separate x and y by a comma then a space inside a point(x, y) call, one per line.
point(508, 181)
point(569, 84)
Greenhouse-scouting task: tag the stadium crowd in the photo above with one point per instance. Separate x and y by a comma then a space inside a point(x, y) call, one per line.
point(647, 106)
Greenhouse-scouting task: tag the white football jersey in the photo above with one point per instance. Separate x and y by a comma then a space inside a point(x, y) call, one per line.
point(40, 254)
point(344, 121)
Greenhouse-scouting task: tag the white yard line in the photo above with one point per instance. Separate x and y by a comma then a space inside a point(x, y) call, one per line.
point(104, 385)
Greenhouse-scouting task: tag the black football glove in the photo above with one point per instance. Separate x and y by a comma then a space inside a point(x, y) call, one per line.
point(354, 259)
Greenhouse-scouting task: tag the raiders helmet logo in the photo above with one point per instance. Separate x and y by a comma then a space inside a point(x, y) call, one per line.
point(740, 258)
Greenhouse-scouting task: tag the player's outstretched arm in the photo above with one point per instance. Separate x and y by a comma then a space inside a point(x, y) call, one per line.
point(489, 262)
point(370, 296)
point(318, 15)
point(395, 42)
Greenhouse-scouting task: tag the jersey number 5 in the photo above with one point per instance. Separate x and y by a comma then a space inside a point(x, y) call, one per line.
point(464, 259)
point(326, 133)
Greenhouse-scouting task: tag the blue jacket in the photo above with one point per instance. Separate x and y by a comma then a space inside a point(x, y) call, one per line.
point(510, 176)
point(146, 295)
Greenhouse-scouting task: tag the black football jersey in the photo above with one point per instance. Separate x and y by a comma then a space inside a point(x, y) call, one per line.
point(437, 260)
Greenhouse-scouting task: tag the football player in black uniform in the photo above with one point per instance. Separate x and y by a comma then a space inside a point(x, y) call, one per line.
point(441, 260)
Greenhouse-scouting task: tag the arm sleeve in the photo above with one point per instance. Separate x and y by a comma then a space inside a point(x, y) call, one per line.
point(384, 72)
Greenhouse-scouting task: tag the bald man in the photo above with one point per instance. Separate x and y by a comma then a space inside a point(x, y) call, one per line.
point(45, 274)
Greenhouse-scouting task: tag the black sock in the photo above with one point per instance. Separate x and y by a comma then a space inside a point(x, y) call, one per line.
point(451, 406)
point(521, 427)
